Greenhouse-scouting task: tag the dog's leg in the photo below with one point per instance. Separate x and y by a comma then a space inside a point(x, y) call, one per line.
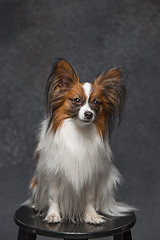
point(91, 216)
point(53, 214)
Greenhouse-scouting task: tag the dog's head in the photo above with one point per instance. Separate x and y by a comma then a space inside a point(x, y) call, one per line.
point(99, 103)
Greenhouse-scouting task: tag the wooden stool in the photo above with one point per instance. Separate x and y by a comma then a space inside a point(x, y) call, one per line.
point(31, 225)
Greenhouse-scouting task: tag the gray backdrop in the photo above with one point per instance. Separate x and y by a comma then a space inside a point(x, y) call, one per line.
point(93, 35)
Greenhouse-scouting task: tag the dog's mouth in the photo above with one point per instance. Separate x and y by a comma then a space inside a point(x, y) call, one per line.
point(85, 121)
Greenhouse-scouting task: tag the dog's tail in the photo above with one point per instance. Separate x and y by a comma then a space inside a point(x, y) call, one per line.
point(115, 208)
point(107, 203)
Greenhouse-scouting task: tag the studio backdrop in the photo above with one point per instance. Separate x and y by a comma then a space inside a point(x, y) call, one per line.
point(93, 36)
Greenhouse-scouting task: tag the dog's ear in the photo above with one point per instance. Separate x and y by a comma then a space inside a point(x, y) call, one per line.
point(112, 85)
point(61, 79)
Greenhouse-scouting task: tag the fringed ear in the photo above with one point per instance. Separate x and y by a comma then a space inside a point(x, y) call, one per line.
point(61, 79)
point(113, 89)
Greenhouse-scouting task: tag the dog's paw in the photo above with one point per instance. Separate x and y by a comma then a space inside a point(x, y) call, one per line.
point(94, 219)
point(53, 218)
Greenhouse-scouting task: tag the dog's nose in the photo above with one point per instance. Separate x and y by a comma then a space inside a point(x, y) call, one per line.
point(88, 115)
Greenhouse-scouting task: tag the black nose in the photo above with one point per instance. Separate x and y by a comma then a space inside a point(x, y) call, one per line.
point(88, 115)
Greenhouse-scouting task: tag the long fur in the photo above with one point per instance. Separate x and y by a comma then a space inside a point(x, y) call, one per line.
point(75, 177)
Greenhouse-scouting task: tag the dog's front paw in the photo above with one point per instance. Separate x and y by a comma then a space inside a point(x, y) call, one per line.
point(94, 218)
point(53, 218)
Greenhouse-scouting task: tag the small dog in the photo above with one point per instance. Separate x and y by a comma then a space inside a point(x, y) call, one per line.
point(75, 178)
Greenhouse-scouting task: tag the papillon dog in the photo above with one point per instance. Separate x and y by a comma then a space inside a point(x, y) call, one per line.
point(75, 178)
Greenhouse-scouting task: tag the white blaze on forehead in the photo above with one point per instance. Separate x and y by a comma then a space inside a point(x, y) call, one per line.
point(87, 87)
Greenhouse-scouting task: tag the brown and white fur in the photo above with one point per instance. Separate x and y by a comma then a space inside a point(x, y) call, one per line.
point(75, 178)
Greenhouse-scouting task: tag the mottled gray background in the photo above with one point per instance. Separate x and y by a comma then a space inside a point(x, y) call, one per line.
point(93, 35)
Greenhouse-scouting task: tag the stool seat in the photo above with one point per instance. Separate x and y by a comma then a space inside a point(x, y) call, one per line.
point(30, 225)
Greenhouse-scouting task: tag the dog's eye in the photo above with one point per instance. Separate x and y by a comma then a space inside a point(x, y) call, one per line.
point(77, 100)
point(96, 102)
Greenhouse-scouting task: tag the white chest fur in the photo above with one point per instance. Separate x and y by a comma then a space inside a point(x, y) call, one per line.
point(74, 152)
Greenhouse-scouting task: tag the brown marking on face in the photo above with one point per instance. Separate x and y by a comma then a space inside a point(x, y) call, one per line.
point(69, 107)
point(96, 102)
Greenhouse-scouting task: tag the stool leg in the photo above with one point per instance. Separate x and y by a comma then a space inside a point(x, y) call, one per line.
point(23, 235)
point(123, 236)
